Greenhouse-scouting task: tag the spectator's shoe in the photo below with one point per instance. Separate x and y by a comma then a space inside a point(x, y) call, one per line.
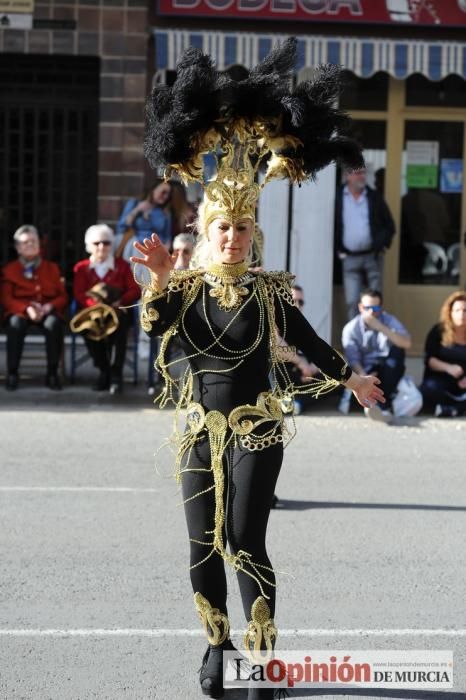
point(116, 386)
point(53, 382)
point(102, 383)
point(11, 381)
point(379, 414)
point(442, 411)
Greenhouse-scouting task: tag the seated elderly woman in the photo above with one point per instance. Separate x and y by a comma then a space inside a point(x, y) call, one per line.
point(444, 384)
point(102, 278)
point(32, 294)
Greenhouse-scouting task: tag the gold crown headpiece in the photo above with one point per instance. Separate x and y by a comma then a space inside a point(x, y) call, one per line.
point(256, 122)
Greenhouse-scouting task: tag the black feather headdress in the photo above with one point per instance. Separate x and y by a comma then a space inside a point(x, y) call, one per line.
point(260, 121)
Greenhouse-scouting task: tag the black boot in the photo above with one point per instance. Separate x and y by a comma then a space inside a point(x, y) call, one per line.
point(103, 381)
point(116, 381)
point(52, 380)
point(11, 381)
point(211, 671)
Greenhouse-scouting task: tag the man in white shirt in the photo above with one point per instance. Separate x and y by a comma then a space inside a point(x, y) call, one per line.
point(363, 231)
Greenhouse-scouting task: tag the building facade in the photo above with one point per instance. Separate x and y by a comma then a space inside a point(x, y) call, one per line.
point(72, 89)
point(71, 122)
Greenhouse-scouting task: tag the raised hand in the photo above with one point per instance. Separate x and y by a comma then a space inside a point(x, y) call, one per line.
point(156, 258)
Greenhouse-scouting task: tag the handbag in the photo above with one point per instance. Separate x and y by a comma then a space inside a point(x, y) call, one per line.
point(408, 398)
point(122, 244)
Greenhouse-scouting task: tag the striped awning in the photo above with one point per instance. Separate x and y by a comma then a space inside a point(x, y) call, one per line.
point(364, 57)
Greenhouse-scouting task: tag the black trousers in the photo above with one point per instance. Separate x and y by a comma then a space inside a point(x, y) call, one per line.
point(443, 389)
point(389, 370)
point(250, 479)
point(114, 345)
point(17, 327)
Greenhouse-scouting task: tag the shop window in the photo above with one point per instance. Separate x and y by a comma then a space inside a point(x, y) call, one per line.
point(432, 185)
point(422, 92)
point(364, 93)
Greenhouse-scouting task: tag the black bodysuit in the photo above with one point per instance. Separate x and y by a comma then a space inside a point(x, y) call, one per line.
point(232, 359)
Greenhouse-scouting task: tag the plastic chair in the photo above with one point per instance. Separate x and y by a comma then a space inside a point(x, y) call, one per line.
point(78, 359)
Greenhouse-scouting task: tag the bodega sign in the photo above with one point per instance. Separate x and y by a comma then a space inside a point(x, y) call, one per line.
point(406, 12)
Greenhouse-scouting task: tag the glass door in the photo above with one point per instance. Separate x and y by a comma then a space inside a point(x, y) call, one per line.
point(431, 203)
point(430, 253)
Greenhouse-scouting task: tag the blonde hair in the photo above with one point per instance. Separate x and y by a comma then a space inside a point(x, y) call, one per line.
point(202, 254)
point(447, 326)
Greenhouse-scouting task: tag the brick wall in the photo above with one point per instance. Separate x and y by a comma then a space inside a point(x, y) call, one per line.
point(117, 32)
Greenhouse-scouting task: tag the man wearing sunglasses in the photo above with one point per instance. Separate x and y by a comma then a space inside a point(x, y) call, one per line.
point(114, 274)
point(375, 342)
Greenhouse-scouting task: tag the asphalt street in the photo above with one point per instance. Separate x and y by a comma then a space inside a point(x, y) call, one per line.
point(95, 593)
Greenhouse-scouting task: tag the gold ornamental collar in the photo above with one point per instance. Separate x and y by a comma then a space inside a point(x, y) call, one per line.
point(227, 272)
point(228, 282)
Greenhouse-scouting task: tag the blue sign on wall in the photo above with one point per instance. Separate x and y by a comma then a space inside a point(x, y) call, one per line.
point(451, 175)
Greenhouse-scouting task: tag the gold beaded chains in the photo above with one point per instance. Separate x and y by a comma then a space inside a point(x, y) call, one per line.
point(270, 292)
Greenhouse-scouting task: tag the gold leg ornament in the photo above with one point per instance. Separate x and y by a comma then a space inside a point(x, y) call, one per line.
point(261, 633)
point(215, 623)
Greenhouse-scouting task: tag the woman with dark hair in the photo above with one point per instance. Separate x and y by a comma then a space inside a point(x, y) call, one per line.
point(182, 211)
point(140, 218)
point(238, 398)
point(444, 384)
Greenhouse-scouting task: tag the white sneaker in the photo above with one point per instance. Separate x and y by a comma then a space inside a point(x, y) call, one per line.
point(378, 414)
point(445, 411)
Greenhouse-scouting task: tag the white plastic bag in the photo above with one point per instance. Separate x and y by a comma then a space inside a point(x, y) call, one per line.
point(408, 398)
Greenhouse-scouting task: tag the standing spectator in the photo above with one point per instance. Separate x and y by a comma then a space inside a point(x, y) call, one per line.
point(364, 229)
point(114, 274)
point(140, 219)
point(182, 212)
point(444, 383)
point(183, 247)
point(32, 294)
point(374, 342)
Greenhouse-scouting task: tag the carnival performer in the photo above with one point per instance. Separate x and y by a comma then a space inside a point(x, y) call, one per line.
point(238, 401)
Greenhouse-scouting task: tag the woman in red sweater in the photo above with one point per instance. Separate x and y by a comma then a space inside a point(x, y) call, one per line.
point(102, 267)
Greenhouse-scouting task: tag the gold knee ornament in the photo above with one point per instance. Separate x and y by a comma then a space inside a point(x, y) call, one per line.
point(215, 623)
point(261, 632)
